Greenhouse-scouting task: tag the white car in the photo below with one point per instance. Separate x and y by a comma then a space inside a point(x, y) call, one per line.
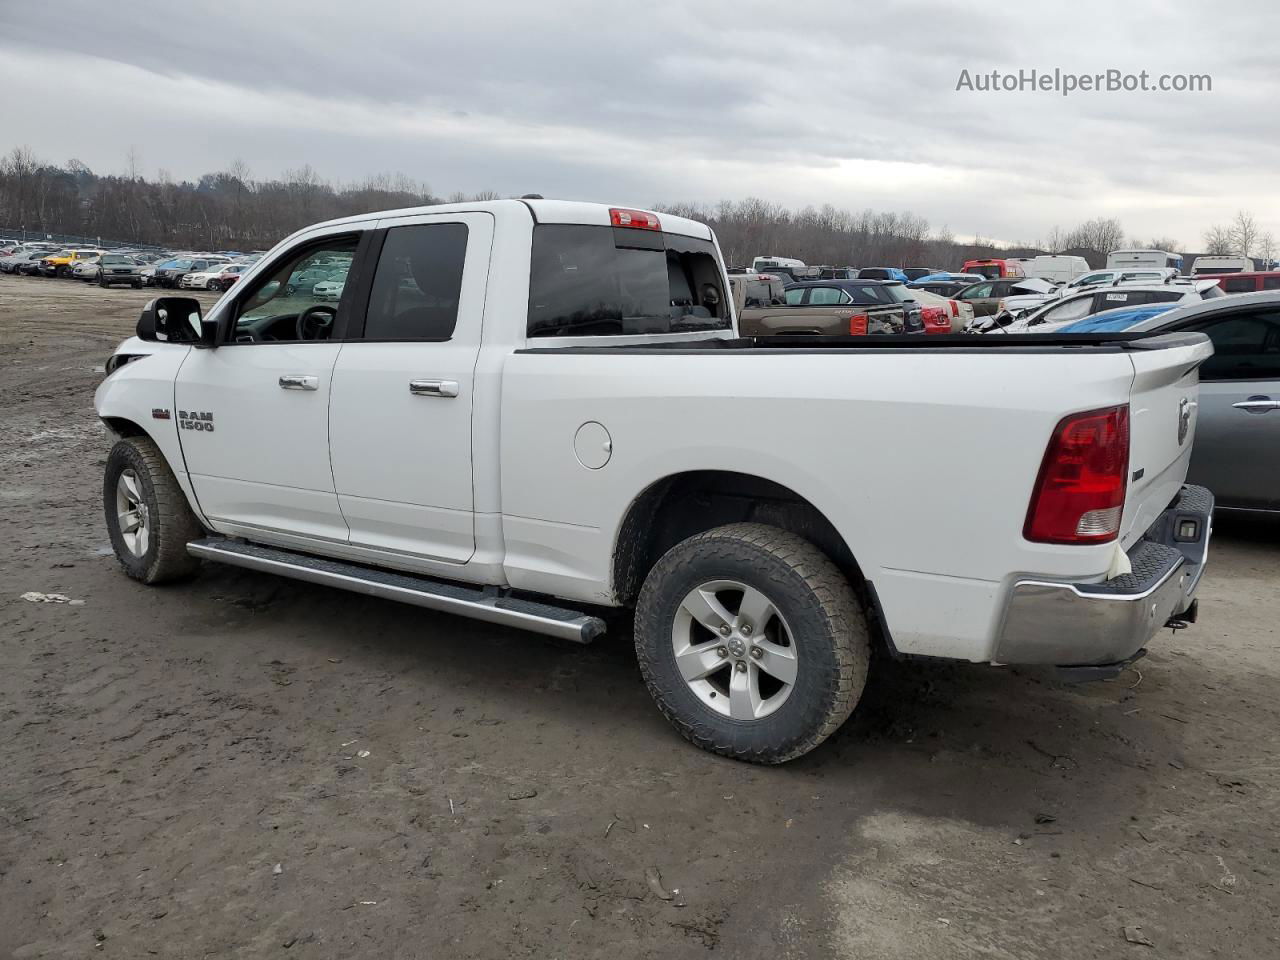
point(961, 313)
point(600, 436)
point(328, 289)
point(1058, 313)
point(87, 269)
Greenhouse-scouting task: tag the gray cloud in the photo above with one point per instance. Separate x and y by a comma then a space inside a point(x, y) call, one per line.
point(686, 101)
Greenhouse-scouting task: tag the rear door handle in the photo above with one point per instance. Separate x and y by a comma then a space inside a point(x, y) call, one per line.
point(299, 381)
point(1257, 405)
point(433, 388)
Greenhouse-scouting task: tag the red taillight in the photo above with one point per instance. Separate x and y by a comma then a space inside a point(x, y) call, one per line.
point(935, 320)
point(1079, 494)
point(858, 325)
point(955, 307)
point(640, 219)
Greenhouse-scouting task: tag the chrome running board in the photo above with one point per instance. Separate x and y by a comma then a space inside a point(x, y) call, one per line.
point(466, 601)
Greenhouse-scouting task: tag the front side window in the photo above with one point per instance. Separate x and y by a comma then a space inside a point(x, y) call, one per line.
point(978, 291)
point(1245, 346)
point(591, 281)
point(418, 283)
point(283, 305)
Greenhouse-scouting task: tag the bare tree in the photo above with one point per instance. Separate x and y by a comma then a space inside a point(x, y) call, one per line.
point(1218, 241)
point(1244, 233)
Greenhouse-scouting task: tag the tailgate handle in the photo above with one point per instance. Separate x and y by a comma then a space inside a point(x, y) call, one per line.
point(433, 388)
point(1257, 405)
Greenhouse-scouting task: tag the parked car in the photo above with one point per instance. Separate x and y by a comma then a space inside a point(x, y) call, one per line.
point(985, 297)
point(328, 289)
point(1058, 313)
point(611, 441)
point(865, 293)
point(210, 277)
point(1246, 282)
point(86, 269)
point(1057, 268)
point(1093, 278)
point(11, 263)
point(62, 262)
point(1237, 448)
point(882, 273)
point(919, 273)
point(994, 269)
point(757, 290)
point(1144, 259)
point(964, 279)
point(170, 273)
point(941, 314)
point(1215, 266)
point(836, 308)
point(116, 268)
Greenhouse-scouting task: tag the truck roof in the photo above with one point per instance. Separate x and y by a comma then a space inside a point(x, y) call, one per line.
point(543, 211)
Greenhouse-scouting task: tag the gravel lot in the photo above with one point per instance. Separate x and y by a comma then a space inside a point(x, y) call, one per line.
point(243, 766)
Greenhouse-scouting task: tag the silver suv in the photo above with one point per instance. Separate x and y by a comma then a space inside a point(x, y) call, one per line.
point(118, 268)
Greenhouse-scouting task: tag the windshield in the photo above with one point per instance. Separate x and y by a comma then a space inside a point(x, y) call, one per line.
point(615, 281)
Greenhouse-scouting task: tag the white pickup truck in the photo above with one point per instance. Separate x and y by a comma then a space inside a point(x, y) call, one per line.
point(528, 411)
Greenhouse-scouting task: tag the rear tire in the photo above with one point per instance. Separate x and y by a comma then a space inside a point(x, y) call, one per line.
point(147, 514)
point(738, 701)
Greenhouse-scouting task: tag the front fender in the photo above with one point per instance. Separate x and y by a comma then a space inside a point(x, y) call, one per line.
point(140, 393)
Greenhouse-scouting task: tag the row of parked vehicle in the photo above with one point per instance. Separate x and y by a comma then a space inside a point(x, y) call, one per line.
point(135, 268)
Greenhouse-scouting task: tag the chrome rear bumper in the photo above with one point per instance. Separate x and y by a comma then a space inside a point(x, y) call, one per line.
point(1077, 624)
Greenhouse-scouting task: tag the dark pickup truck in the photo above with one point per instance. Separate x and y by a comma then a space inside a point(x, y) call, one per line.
point(835, 308)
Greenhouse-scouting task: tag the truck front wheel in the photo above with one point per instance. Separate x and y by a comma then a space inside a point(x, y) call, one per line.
point(148, 517)
point(752, 642)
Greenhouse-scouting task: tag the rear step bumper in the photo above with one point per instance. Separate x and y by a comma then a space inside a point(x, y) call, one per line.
point(1108, 623)
point(474, 602)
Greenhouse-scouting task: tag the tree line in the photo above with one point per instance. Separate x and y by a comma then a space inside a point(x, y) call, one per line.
point(231, 209)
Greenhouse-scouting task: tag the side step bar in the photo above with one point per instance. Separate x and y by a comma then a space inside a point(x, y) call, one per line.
point(465, 601)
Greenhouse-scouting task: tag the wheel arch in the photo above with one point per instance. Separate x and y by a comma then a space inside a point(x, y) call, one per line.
point(684, 504)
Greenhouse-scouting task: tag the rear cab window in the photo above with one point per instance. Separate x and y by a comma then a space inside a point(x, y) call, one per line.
point(591, 281)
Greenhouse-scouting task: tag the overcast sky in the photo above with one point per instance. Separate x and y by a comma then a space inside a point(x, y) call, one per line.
point(653, 101)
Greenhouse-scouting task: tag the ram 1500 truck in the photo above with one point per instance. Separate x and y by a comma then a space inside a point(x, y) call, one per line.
point(527, 411)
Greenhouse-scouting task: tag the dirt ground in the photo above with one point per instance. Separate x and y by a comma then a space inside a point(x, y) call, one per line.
point(244, 766)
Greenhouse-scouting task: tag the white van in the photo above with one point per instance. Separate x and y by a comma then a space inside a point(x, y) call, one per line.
point(1058, 269)
point(1128, 259)
point(765, 264)
point(1222, 265)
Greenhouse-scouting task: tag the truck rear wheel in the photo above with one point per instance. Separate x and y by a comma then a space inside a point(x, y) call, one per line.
point(147, 513)
point(752, 642)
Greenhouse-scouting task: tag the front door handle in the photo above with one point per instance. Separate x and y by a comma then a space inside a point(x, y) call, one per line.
point(1257, 405)
point(299, 381)
point(433, 388)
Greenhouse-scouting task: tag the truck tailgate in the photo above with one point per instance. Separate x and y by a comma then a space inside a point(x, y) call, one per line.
point(1162, 416)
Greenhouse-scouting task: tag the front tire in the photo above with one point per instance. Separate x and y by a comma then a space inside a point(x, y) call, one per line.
point(148, 517)
point(751, 642)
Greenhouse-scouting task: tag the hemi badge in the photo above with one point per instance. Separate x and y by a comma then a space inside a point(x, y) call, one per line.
point(158, 414)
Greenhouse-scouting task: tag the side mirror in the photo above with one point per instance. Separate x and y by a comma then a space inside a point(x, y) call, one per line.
point(171, 320)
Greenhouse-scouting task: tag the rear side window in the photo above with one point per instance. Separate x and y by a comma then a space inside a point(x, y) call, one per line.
point(418, 283)
point(589, 281)
point(1245, 347)
point(826, 296)
point(1271, 283)
point(795, 296)
point(1238, 284)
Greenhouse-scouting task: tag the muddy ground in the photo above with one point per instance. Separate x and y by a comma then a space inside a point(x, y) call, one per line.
point(183, 770)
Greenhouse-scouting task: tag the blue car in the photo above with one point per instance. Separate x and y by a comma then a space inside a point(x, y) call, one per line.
point(1121, 318)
